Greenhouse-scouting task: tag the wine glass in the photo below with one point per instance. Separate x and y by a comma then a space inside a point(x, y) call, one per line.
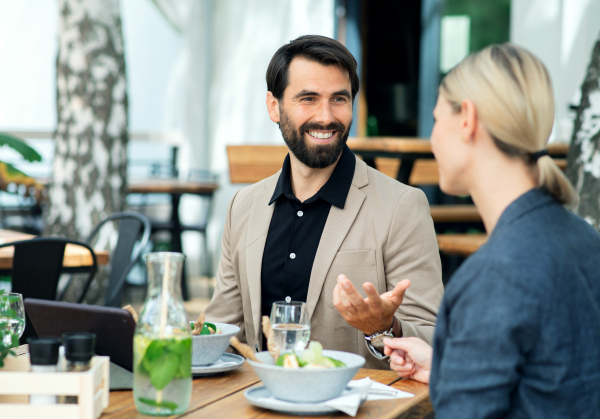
point(12, 318)
point(291, 326)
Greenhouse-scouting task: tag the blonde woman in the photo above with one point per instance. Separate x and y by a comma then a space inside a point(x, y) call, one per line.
point(518, 331)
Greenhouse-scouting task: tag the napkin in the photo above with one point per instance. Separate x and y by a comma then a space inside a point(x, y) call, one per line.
point(371, 389)
point(378, 391)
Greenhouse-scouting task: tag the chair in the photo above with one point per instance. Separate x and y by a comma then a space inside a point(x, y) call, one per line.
point(125, 254)
point(37, 265)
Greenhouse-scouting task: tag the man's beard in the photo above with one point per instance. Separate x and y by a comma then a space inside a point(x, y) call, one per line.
point(315, 156)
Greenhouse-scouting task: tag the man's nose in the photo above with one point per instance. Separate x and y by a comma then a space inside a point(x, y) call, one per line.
point(324, 114)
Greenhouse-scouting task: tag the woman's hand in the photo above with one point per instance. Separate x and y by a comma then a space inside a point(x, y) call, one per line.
point(410, 357)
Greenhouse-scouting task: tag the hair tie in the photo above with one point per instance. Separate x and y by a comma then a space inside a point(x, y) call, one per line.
point(535, 156)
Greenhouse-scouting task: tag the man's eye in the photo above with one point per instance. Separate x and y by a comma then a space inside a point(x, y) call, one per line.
point(308, 99)
point(340, 99)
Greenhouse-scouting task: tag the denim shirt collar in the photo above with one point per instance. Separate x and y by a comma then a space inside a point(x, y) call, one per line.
point(524, 204)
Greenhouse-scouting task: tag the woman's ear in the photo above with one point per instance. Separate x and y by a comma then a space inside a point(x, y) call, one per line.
point(469, 120)
point(273, 107)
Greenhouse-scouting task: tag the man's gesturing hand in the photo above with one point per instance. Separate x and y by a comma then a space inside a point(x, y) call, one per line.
point(371, 314)
point(409, 357)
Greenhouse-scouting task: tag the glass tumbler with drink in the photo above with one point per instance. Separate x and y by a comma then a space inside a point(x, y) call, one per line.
point(291, 326)
point(12, 319)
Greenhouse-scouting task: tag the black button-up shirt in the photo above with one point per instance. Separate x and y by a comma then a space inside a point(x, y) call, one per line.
point(295, 232)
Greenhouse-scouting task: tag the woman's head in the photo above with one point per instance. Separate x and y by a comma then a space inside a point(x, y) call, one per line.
point(510, 92)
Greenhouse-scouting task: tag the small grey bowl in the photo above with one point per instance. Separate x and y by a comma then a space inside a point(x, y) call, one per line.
point(207, 349)
point(307, 385)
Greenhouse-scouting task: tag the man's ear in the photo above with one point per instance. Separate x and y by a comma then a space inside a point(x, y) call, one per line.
point(469, 120)
point(273, 107)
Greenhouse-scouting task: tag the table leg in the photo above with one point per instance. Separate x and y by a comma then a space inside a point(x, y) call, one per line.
point(405, 169)
point(370, 160)
point(176, 241)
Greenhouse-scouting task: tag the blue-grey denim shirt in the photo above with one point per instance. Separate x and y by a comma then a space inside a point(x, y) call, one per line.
point(518, 331)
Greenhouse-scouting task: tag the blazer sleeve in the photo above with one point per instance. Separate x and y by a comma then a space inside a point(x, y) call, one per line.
point(411, 252)
point(226, 303)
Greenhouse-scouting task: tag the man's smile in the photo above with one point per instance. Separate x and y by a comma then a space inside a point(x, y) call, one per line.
point(322, 137)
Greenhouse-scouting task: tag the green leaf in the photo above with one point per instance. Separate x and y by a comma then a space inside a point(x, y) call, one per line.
point(205, 329)
point(163, 370)
point(185, 365)
point(20, 146)
point(165, 404)
point(10, 174)
point(179, 346)
point(154, 351)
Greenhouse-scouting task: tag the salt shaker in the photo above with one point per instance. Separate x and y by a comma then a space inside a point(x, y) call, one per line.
point(43, 355)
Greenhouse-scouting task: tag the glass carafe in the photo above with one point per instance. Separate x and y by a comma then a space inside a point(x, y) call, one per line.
point(162, 346)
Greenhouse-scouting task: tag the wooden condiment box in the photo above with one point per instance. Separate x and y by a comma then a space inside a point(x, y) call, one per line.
point(17, 383)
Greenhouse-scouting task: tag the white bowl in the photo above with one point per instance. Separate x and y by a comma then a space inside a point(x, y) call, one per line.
point(307, 385)
point(207, 349)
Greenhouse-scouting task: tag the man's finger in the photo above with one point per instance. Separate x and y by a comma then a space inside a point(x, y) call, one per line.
point(353, 296)
point(373, 296)
point(345, 303)
point(336, 296)
point(397, 294)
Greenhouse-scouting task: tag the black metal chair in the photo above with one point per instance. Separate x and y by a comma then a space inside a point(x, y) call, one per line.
point(36, 270)
point(132, 225)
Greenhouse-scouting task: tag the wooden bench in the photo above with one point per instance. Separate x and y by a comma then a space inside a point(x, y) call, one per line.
point(460, 244)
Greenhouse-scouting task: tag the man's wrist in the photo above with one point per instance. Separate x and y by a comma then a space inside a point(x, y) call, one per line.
point(391, 325)
point(396, 327)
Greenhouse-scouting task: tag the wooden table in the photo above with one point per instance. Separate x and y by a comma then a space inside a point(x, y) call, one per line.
point(408, 150)
point(460, 244)
point(75, 256)
point(222, 396)
point(175, 188)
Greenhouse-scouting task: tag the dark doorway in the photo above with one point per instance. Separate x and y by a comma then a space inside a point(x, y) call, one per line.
point(391, 37)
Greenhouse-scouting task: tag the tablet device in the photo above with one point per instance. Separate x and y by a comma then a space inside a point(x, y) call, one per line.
point(114, 327)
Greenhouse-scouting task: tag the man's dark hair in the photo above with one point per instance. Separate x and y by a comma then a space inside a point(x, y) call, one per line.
point(315, 48)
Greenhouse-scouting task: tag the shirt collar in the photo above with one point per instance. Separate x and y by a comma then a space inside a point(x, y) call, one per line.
point(335, 191)
point(524, 204)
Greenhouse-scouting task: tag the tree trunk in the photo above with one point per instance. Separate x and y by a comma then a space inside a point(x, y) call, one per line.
point(89, 176)
point(89, 173)
point(583, 164)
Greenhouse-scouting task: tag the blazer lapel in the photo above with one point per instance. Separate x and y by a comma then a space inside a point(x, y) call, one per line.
point(256, 237)
point(336, 228)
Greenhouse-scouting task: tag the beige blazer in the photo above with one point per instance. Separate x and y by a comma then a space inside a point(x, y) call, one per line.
point(383, 235)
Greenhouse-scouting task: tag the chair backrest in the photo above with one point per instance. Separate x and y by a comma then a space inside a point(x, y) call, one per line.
point(37, 265)
point(253, 163)
point(132, 225)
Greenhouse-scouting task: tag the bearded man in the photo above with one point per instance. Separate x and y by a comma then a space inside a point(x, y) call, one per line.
point(327, 225)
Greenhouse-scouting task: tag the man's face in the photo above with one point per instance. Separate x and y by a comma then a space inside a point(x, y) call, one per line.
point(315, 113)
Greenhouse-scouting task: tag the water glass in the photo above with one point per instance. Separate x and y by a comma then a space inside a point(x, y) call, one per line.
point(291, 326)
point(12, 318)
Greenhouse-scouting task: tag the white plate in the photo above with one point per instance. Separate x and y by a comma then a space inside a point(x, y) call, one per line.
point(262, 397)
point(227, 362)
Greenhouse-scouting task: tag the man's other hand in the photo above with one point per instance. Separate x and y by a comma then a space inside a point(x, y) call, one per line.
point(409, 357)
point(372, 314)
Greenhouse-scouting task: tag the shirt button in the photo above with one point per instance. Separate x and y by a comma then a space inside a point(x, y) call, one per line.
point(292, 256)
point(288, 299)
point(300, 213)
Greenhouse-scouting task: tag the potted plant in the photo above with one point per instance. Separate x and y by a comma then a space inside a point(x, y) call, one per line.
point(10, 174)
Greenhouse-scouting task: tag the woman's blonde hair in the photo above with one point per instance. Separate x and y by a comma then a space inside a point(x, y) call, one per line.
point(512, 92)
